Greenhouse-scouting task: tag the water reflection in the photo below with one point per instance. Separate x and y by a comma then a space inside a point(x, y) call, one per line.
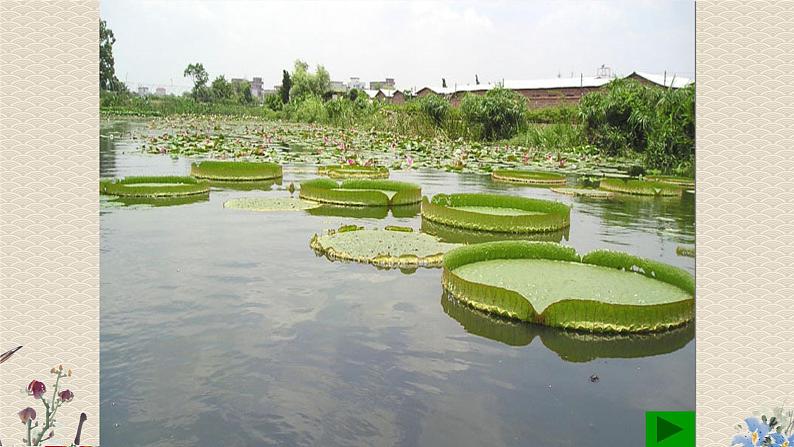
point(569, 345)
point(158, 201)
point(265, 185)
point(463, 236)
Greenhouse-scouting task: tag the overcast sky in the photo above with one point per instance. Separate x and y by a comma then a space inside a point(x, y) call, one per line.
point(417, 43)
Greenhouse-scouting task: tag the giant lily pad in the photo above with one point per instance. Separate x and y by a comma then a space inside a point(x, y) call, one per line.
point(584, 192)
point(233, 171)
point(550, 284)
point(381, 193)
point(683, 182)
point(354, 171)
point(572, 346)
point(496, 213)
point(270, 204)
point(528, 177)
point(153, 187)
point(455, 235)
point(639, 187)
point(390, 247)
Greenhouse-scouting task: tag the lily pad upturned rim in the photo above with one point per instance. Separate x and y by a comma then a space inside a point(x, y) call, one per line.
point(235, 171)
point(585, 192)
point(528, 177)
point(146, 186)
point(354, 171)
point(440, 209)
point(640, 187)
point(684, 182)
point(575, 314)
point(385, 260)
point(360, 192)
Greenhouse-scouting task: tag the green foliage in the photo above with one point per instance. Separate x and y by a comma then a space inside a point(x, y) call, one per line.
point(200, 77)
point(498, 114)
point(344, 111)
point(434, 107)
point(550, 216)
point(630, 116)
point(125, 104)
point(562, 114)
point(274, 102)
point(306, 84)
point(107, 70)
point(286, 86)
point(222, 90)
point(242, 92)
point(361, 192)
point(235, 170)
point(552, 137)
point(306, 109)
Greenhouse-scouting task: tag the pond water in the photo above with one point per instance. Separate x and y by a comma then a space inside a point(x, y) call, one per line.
point(222, 327)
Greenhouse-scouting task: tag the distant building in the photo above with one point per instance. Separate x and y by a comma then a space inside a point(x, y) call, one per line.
point(143, 91)
point(356, 83)
point(160, 91)
point(663, 80)
point(388, 84)
point(256, 88)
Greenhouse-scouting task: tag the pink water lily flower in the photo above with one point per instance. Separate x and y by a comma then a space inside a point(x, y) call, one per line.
point(28, 414)
point(37, 389)
point(410, 161)
point(66, 396)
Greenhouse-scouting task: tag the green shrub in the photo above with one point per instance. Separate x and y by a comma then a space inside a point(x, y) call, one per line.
point(306, 109)
point(273, 102)
point(498, 114)
point(434, 107)
point(562, 114)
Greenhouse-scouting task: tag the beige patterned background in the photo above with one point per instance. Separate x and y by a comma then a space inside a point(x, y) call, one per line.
point(49, 212)
point(745, 212)
point(49, 249)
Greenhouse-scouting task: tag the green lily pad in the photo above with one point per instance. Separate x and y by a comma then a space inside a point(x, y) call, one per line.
point(227, 171)
point(153, 187)
point(270, 204)
point(584, 192)
point(390, 247)
point(528, 177)
point(639, 187)
point(455, 235)
point(354, 171)
point(496, 213)
point(571, 346)
point(550, 284)
point(382, 193)
point(685, 251)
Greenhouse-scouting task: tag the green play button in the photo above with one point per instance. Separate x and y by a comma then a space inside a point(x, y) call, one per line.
point(670, 429)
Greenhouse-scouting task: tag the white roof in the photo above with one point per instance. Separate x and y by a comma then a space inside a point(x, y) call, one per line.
point(671, 80)
point(439, 90)
point(371, 93)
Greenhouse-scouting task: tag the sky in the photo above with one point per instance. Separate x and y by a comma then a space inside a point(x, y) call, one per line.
point(417, 43)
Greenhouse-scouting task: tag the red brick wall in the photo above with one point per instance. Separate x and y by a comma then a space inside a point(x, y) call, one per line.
point(539, 98)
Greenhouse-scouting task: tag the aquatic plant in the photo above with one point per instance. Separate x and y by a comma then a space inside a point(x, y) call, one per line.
point(684, 182)
point(639, 187)
point(496, 213)
point(456, 235)
point(381, 193)
point(270, 204)
point(152, 187)
point(550, 284)
point(235, 170)
point(685, 251)
point(115, 201)
point(354, 171)
point(390, 247)
point(584, 192)
point(571, 346)
point(528, 177)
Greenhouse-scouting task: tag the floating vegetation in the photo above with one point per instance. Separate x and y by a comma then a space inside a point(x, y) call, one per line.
point(496, 213)
point(584, 192)
point(685, 251)
point(683, 182)
point(383, 193)
point(455, 235)
point(528, 177)
point(639, 187)
point(550, 284)
point(270, 204)
point(152, 187)
point(264, 185)
point(235, 171)
point(146, 202)
point(391, 247)
point(354, 171)
point(571, 346)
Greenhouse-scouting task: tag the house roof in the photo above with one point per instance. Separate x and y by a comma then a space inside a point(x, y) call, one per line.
point(671, 80)
point(371, 93)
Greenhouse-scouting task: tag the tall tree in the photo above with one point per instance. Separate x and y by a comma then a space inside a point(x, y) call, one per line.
point(199, 76)
point(286, 85)
point(222, 90)
point(107, 70)
point(306, 84)
point(443, 83)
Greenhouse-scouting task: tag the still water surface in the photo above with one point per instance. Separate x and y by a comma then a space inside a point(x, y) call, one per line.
point(222, 327)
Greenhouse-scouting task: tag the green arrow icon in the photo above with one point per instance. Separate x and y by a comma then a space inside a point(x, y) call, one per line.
point(670, 429)
point(665, 429)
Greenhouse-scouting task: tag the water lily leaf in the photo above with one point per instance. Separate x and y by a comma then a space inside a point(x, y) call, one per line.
point(528, 177)
point(584, 192)
point(270, 204)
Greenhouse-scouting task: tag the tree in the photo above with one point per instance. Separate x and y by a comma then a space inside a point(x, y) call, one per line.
point(107, 70)
point(286, 85)
point(221, 89)
point(306, 84)
point(242, 91)
point(443, 83)
point(199, 76)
